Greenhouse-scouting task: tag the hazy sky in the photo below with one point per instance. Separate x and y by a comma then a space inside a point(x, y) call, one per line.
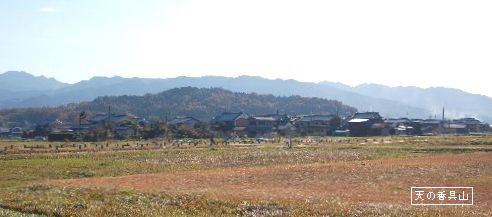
point(421, 42)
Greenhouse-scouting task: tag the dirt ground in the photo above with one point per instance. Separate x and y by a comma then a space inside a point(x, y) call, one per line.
point(382, 181)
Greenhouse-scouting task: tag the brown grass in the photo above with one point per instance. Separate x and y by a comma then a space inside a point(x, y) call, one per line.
point(318, 177)
point(383, 181)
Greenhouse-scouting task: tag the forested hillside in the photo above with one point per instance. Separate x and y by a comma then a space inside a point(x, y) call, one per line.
point(202, 103)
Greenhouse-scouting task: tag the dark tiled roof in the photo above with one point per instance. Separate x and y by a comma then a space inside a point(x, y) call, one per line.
point(457, 126)
point(317, 118)
point(431, 121)
point(277, 117)
point(122, 128)
point(4, 130)
point(467, 121)
point(181, 120)
point(113, 118)
point(397, 120)
point(226, 116)
point(259, 118)
point(367, 115)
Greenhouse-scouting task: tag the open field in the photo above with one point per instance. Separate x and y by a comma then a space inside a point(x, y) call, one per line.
point(317, 177)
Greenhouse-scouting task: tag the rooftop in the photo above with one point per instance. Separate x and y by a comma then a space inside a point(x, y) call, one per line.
point(367, 115)
point(113, 117)
point(228, 116)
point(181, 120)
point(259, 118)
point(317, 118)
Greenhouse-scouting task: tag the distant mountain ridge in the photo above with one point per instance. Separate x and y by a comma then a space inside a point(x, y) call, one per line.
point(391, 102)
point(457, 103)
point(16, 81)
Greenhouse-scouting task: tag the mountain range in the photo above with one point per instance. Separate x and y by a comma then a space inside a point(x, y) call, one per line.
point(21, 89)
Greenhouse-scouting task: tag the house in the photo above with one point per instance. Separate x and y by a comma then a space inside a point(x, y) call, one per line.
point(114, 119)
point(50, 126)
point(366, 124)
point(123, 132)
point(455, 128)
point(486, 127)
point(459, 126)
point(4, 132)
point(60, 126)
point(284, 124)
point(231, 122)
point(62, 136)
point(142, 122)
point(12, 124)
point(341, 133)
point(259, 125)
point(402, 126)
point(16, 132)
point(269, 124)
point(431, 126)
point(57, 130)
point(108, 126)
point(472, 124)
point(186, 121)
point(317, 125)
point(287, 129)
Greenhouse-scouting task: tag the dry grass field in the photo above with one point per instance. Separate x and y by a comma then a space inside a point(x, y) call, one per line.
point(317, 177)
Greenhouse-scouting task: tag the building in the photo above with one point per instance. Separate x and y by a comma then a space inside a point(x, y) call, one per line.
point(231, 122)
point(102, 126)
point(458, 126)
point(472, 125)
point(4, 132)
point(403, 126)
point(186, 121)
point(487, 127)
point(123, 132)
point(259, 126)
point(366, 124)
point(16, 132)
point(113, 119)
point(455, 128)
point(431, 126)
point(62, 136)
point(317, 125)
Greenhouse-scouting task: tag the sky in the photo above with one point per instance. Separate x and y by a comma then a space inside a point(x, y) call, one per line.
point(420, 43)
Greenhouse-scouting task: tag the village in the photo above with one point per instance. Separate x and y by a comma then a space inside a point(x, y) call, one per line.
point(243, 160)
point(183, 108)
point(233, 125)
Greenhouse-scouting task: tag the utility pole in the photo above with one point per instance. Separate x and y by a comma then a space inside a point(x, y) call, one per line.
point(109, 122)
point(443, 113)
point(82, 115)
point(109, 113)
point(444, 127)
